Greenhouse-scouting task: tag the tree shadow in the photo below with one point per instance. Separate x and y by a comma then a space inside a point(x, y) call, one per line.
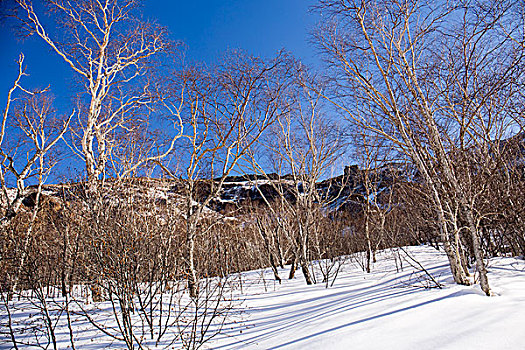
point(366, 319)
point(320, 308)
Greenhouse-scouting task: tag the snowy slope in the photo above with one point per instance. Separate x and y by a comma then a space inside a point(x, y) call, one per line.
point(386, 309)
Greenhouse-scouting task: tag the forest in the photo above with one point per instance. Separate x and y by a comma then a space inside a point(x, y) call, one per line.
point(193, 174)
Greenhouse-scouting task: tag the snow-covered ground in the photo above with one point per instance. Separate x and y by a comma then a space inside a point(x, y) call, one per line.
point(386, 309)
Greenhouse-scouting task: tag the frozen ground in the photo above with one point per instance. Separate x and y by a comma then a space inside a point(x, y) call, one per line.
point(386, 309)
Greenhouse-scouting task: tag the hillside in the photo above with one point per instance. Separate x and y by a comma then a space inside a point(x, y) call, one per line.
point(388, 308)
point(342, 192)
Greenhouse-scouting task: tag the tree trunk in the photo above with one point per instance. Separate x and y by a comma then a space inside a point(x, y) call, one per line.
point(269, 253)
point(368, 244)
point(293, 268)
point(190, 265)
point(478, 253)
point(304, 260)
point(306, 273)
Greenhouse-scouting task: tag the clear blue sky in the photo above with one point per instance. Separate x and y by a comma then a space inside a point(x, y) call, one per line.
point(208, 27)
point(261, 27)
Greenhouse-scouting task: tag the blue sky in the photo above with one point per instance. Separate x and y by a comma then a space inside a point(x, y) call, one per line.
point(261, 27)
point(208, 27)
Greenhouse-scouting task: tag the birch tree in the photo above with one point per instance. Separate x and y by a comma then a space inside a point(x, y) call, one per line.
point(303, 146)
point(224, 111)
point(394, 75)
point(27, 135)
point(109, 49)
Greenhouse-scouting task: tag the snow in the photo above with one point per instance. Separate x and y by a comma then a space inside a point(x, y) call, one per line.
point(388, 308)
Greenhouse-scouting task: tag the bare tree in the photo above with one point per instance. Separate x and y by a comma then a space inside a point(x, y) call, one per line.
point(392, 79)
point(303, 145)
point(27, 137)
point(376, 178)
point(110, 50)
point(36, 137)
point(31, 137)
point(225, 111)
